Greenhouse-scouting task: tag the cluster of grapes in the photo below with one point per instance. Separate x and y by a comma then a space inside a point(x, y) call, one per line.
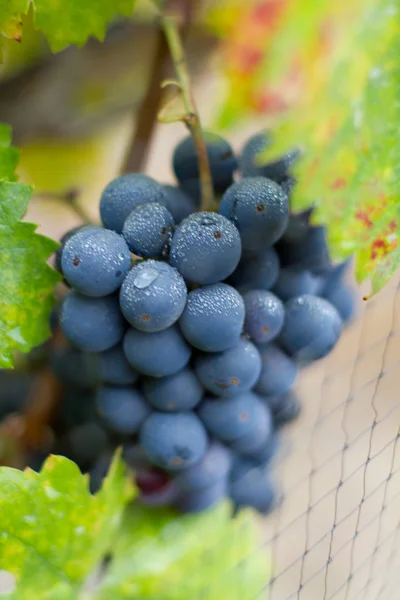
point(186, 328)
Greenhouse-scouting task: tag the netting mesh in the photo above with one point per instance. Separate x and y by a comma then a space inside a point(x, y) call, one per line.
point(336, 533)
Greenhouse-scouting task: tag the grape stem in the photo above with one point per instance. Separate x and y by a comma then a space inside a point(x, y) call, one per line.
point(146, 118)
point(191, 117)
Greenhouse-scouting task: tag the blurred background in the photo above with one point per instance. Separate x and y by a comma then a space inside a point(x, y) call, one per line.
point(74, 113)
point(85, 114)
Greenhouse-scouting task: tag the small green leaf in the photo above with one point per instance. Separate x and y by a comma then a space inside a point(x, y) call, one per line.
point(27, 281)
point(63, 23)
point(10, 17)
point(210, 556)
point(53, 531)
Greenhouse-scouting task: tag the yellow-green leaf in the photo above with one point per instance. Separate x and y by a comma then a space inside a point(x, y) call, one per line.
point(10, 17)
point(27, 281)
point(53, 531)
point(209, 556)
point(349, 132)
point(63, 23)
point(327, 77)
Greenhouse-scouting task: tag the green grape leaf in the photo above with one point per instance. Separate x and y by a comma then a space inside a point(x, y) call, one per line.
point(53, 531)
point(327, 76)
point(349, 131)
point(209, 556)
point(64, 23)
point(9, 156)
point(27, 281)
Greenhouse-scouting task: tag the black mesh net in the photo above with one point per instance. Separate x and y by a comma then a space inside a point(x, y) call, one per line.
point(336, 532)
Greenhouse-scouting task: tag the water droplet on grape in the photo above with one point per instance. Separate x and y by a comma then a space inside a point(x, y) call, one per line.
point(207, 221)
point(145, 278)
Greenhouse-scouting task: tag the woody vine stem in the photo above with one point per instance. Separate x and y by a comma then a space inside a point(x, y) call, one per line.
point(191, 116)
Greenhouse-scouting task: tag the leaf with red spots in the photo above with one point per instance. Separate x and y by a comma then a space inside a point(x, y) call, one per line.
point(269, 49)
point(330, 72)
point(349, 132)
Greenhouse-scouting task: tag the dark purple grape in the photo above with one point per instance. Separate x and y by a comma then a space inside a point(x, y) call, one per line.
point(265, 315)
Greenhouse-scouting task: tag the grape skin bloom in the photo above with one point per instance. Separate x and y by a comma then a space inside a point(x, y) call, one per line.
point(259, 209)
point(278, 371)
point(157, 354)
point(147, 230)
point(122, 408)
point(125, 193)
point(92, 324)
point(173, 441)
point(153, 296)
point(213, 317)
point(312, 328)
point(265, 315)
point(220, 155)
point(95, 261)
point(176, 393)
point(230, 372)
point(229, 419)
point(205, 248)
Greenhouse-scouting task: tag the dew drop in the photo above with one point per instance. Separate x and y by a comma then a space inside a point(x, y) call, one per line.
point(80, 529)
point(29, 519)
point(207, 221)
point(51, 492)
point(145, 278)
